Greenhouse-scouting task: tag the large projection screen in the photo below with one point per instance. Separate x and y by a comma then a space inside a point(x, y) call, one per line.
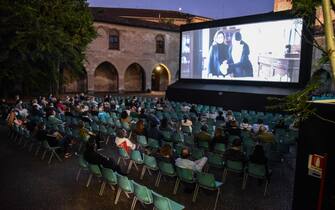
point(267, 51)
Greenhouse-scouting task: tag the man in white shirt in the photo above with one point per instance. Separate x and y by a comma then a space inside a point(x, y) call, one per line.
point(185, 162)
point(255, 127)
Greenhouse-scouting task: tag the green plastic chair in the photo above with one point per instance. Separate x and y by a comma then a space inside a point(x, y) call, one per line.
point(207, 181)
point(197, 153)
point(150, 163)
point(83, 165)
point(165, 169)
point(109, 177)
point(125, 185)
point(189, 140)
point(52, 151)
point(215, 160)
point(135, 158)
point(153, 143)
point(122, 155)
point(142, 140)
point(232, 166)
point(220, 148)
point(184, 175)
point(257, 171)
point(94, 171)
point(142, 194)
point(167, 135)
point(204, 145)
point(163, 203)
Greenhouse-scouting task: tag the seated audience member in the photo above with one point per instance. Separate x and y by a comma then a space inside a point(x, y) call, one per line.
point(234, 129)
point(185, 162)
point(165, 154)
point(11, 117)
point(193, 110)
point(122, 141)
point(220, 120)
point(125, 117)
point(229, 116)
point(186, 123)
point(219, 138)
point(245, 125)
point(93, 157)
point(259, 123)
point(57, 139)
point(264, 136)
point(154, 133)
point(53, 121)
point(258, 157)
point(142, 114)
point(102, 115)
point(165, 125)
point(203, 135)
point(234, 153)
point(140, 128)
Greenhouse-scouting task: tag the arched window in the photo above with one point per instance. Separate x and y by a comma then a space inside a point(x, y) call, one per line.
point(114, 40)
point(160, 44)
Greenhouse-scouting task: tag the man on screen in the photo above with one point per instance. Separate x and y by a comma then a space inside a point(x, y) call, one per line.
point(238, 63)
point(218, 53)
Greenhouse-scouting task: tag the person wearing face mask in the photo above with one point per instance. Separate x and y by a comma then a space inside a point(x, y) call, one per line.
point(218, 53)
point(238, 63)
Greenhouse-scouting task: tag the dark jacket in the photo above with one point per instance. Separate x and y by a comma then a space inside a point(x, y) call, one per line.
point(217, 54)
point(243, 67)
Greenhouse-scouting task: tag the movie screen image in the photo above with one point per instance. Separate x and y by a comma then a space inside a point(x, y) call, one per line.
point(263, 51)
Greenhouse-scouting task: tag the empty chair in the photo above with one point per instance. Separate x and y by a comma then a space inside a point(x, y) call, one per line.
point(125, 185)
point(135, 158)
point(165, 169)
point(197, 153)
point(122, 155)
point(142, 140)
point(52, 151)
point(207, 181)
point(220, 148)
point(109, 178)
point(184, 175)
point(94, 171)
point(150, 163)
point(83, 165)
point(232, 166)
point(142, 194)
point(215, 160)
point(163, 203)
point(257, 171)
point(153, 143)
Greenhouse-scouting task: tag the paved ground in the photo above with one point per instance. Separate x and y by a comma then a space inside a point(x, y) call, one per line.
point(27, 182)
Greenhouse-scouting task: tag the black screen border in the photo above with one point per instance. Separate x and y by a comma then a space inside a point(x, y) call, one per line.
point(305, 56)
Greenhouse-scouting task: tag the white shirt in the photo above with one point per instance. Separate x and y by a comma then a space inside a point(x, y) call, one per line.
point(130, 144)
point(196, 165)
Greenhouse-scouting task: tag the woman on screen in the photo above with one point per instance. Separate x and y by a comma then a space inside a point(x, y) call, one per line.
point(238, 63)
point(218, 52)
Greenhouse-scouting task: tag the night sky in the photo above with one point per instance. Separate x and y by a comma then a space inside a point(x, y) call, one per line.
point(216, 9)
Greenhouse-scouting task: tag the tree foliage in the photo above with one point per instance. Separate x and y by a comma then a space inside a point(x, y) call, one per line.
point(38, 38)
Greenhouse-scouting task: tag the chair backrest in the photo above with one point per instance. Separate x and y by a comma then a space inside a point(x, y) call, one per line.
point(215, 159)
point(142, 193)
point(161, 202)
point(94, 169)
point(256, 170)
point(136, 155)
point(204, 144)
point(206, 179)
point(197, 153)
point(109, 175)
point(123, 153)
point(185, 174)
point(124, 183)
point(150, 161)
point(153, 143)
point(141, 139)
point(166, 168)
point(220, 147)
point(82, 162)
point(234, 165)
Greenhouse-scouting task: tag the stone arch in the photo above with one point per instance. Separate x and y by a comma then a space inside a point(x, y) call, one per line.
point(74, 83)
point(134, 78)
point(106, 78)
point(160, 78)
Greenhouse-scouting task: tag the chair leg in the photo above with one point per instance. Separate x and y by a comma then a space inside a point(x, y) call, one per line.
point(266, 187)
point(78, 174)
point(51, 156)
point(57, 156)
point(89, 180)
point(44, 153)
point(143, 172)
point(158, 179)
point(224, 176)
point(176, 185)
point(217, 198)
point(136, 166)
point(149, 171)
point(102, 188)
point(117, 195)
point(195, 193)
point(245, 179)
point(37, 150)
point(129, 166)
point(134, 203)
point(118, 161)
